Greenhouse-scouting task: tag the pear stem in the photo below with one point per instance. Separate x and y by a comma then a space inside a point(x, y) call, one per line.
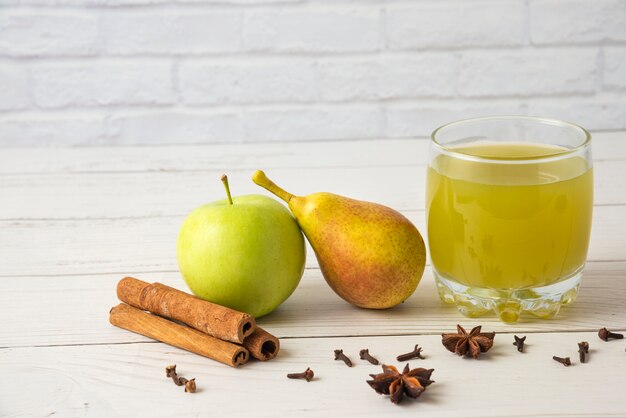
point(261, 179)
point(227, 187)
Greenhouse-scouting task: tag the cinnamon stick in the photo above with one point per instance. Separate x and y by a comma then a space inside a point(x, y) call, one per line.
point(160, 329)
point(262, 345)
point(212, 319)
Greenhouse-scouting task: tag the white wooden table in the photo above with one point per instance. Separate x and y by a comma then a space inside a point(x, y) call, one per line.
point(75, 221)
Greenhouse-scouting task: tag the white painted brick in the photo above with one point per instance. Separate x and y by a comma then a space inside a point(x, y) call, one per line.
point(389, 78)
point(456, 24)
point(313, 123)
point(65, 2)
point(93, 2)
point(614, 68)
point(101, 84)
point(420, 119)
point(312, 31)
point(567, 21)
point(598, 113)
point(527, 73)
point(141, 2)
point(181, 127)
point(14, 87)
point(210, 83)
point(304, 55)
point(419, 76)
point(31, 130)
point(241, 2)
point(350, 80)
point(27, 34)
point(128, 33)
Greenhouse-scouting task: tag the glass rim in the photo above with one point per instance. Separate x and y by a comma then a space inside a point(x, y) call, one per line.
point(548, 121)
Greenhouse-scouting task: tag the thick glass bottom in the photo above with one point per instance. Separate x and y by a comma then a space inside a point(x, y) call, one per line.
point(542, 302)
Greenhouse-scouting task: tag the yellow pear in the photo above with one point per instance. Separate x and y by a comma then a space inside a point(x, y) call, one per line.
point(370, 255)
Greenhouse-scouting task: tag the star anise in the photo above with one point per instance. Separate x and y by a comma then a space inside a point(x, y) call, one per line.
point(395, 384)
point(474, 342)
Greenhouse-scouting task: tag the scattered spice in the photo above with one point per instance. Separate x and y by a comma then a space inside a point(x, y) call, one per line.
point(564, 361)
point(170, 371)
point(472, 343)
point(519, 343)
point(190, 385)
point(416, 353)
point(583, 350)
point(209, 318)
point(307, 375)
point(262, 345)
point(181, 336)
point(365, 355)
point(395, 384)
point(340, 356)
point(606, 335)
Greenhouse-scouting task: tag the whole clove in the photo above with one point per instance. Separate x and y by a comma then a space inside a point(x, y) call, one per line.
point(365, 355)
point(606, 335)
point(583, 350)
point(416, 353)
point(190, 385)
point(170, 371)
point(519, 343)
point(340, 356)
point(306, 375)
point(564, 361)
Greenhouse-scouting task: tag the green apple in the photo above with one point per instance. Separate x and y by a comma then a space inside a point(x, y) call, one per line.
point(246, 253)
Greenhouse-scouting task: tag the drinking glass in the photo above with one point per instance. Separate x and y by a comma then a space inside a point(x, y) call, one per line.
point(508, 206)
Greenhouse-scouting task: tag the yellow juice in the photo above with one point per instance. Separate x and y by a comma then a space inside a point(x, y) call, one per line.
point(502, 225)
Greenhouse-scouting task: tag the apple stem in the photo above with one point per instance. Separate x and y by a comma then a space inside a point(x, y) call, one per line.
point(261, 179)
point(225, 181)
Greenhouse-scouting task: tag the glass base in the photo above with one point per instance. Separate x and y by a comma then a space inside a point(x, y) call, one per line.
point(542, 302)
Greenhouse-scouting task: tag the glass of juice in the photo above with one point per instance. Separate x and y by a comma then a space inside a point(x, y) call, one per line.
point(508, 206)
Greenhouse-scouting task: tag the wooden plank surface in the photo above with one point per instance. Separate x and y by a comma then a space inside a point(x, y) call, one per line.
point(129, 380)
point(146, 194)
point(74, 221)
point(121, 190)
point(220, 157)
point(312, 311)
point(93, 246)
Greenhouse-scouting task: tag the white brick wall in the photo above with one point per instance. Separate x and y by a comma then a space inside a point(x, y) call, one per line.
point(256, 81)
point(143, 32)
point(101, 83)
point(615, 69)
point(310, 31)
point(542, 72)
point(577, 21)
point(462, 23)
point(45, 33)
point(93, 72)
